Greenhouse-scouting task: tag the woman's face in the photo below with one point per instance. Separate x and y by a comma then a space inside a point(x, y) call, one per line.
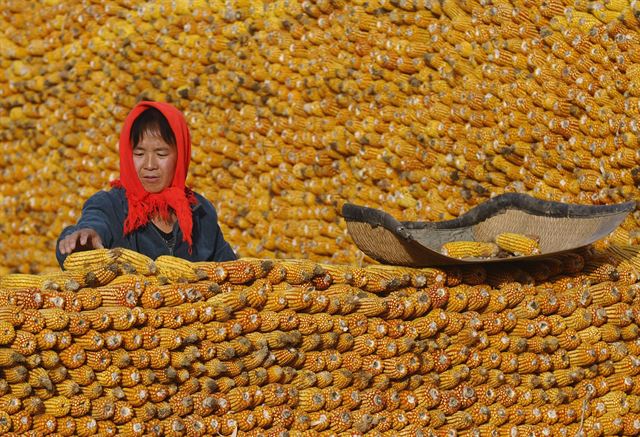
point(155, 162)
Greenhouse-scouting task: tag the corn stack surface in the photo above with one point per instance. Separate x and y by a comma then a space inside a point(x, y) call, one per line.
point(262, 347)
point(423, 108)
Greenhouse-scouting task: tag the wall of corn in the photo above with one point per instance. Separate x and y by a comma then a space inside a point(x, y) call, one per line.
point(423, 108)
point(121, 345)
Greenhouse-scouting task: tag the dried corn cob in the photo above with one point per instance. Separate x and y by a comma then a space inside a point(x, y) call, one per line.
point(175, 269)
point(85, 260)
point(518, 244)
point(101, 275)
point(134, 262)
point(21, 280)
point(469, 249)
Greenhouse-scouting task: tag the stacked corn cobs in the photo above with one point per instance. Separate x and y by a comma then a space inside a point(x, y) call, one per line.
point(120, 345)
point(423, 108)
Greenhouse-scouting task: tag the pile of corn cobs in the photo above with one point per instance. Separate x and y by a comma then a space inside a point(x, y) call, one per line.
point(422, 108)
point(122, 345)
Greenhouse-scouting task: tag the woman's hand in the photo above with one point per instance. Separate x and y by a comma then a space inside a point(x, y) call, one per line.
point(83, 239)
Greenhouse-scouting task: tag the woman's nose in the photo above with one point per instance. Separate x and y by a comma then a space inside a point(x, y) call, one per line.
point(150, 162)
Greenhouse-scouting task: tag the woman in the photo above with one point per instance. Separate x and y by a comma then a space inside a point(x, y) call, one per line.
point(149, 209)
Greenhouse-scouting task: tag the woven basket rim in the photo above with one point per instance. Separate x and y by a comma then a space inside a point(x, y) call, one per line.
point(563, 227)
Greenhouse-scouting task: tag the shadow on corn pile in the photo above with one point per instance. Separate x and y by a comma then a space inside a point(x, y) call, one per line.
point(119, 344)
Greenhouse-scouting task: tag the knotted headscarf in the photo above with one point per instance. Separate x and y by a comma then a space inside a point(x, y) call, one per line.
point(143, 205)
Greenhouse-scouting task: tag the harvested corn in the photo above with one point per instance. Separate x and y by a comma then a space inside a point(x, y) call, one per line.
point(518, 244)
point(423, 109)
point(470, 249)
point(399, 351)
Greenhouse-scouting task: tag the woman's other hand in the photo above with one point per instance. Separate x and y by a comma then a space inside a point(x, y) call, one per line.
point(83, 239)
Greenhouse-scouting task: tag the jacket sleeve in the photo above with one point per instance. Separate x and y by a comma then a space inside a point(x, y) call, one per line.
point(222, 251)
point(98, 213)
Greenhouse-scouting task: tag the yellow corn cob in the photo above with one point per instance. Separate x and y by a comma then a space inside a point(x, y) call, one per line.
point(86, 260)
point(300, 271)
point(211, 270)
point(40, 378)
point(15, 375)
point(46, 339)
point(7, 332)
point(175, 269)
point(11, 314)
point(134, 428)
point(119, 296)
point(57, 406)
point(45, 423)
point(172, 294)
point(86, 426)
point(122, 319)
point(469, 249)
point(71, 281)
point(20, 280)
point(102, 274)
point(78, 324)
point(261, 267)
point(134, 262)
point(5, 421)
point(238, 272)
point(518, 244)
point(56, 319)
point(89, 298)
point(24, 343)
point(66, 425)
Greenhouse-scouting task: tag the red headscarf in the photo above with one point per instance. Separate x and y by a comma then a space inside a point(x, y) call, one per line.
point(176, 197)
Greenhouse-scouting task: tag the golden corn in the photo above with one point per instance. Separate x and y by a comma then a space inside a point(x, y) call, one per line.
point(298, 108)
point(85, 260)
point(134, 262)
point(517, 244)
point(101, 275)
point(469, 249)
point(57, 406)
point(20, 280)
point(175, 269)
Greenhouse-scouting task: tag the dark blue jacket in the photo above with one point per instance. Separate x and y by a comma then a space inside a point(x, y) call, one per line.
point(106, 211)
